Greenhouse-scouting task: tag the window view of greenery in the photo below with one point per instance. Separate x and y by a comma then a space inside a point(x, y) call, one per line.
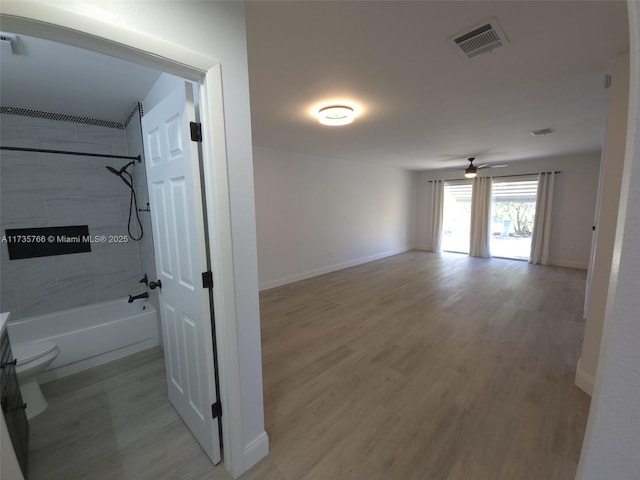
point(512, 211)
point(456, 218)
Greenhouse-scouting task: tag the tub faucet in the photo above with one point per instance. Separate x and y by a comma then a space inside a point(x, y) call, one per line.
point(136, 297)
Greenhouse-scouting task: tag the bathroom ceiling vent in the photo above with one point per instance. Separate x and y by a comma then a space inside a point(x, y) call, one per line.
point(479, 39)
point(7, 42)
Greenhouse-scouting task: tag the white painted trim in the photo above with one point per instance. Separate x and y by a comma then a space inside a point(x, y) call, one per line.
point(55, 22)
point(221, 247)
point(568, 264)
point(426, 248)
point(256, 450)
point(584, 381)
point(331, 268)
point(58, 24)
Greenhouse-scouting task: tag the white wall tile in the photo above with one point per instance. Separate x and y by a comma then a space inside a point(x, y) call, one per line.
point(48, 298)
point(58, 190)
point(16, 172)
point(27, 271)
point(109, 287)
point(26, 209)
point(88, 265)
point(9, 303)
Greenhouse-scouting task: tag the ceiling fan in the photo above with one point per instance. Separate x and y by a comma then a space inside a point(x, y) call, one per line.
point(472, 170)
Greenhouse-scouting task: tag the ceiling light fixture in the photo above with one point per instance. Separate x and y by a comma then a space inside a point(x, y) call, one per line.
point(472, 170)
point(336, 115)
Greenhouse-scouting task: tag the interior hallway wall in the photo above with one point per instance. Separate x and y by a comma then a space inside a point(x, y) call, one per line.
point(316, 215)
point(39, 190)
point(574, 203)
point(610, 447)
point(610, 186)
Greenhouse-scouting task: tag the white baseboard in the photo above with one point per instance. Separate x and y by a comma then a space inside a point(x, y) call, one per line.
point(426, 248)
point(256, 450)
point(331, 268)
point(584, 381)
point(569, 264)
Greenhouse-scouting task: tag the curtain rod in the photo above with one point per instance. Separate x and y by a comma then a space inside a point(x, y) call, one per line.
point(498, 176)
point(66, 152)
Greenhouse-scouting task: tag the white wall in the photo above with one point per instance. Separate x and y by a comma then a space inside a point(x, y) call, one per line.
point(574, 203)
point(209, 30)
point(316, 215)
point(610, 182)
point(612, 440)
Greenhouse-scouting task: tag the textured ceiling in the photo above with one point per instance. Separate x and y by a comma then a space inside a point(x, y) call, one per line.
point(53, 77)
point(422, 105)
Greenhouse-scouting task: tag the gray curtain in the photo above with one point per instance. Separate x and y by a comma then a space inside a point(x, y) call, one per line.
point(437, 202)
point(480, 217)
point(542, 222)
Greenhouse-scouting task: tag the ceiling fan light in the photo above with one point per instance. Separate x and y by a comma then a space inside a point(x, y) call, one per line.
point(471, 170)
point(335, 115)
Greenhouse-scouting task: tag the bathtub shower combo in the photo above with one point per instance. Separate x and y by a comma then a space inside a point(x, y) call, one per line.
point(52, 345)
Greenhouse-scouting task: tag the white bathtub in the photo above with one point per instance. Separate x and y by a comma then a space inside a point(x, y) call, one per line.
point(90, 336)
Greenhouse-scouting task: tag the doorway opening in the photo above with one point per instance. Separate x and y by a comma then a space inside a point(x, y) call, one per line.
point(73, 174)
point(513, 209)
point(456, 217)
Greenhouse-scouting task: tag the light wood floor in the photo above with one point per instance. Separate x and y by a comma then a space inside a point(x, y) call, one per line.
point(417, 366)
point(428, 367)
point(115, 422)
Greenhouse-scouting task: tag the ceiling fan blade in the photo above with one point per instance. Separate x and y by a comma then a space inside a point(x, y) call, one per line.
point(484, 165)
point(498, 166)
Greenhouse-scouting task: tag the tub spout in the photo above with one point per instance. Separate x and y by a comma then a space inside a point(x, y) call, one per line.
point(137, 297)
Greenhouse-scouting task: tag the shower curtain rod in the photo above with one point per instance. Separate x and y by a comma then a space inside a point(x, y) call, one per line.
point(67, 152)
point(497, 176)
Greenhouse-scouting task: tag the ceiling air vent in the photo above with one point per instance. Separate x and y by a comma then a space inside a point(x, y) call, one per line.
point(7, 43)
point(543, 131)
point(479, 39)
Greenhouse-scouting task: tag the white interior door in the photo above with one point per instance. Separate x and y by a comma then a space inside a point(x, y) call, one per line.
point(173, 180)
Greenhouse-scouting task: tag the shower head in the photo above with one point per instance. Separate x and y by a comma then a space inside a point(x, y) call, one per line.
point(122, 171)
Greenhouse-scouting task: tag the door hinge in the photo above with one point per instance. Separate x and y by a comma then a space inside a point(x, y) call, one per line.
point(207, 279)
point(216, 410)
point(196, 131)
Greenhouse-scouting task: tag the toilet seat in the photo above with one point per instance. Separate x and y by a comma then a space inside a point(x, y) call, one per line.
point(27, 352)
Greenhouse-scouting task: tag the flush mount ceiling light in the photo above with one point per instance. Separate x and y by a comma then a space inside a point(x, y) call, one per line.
point(336, 115)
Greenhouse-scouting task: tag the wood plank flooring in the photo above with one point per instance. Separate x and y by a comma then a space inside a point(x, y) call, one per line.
point(424, 366)
point(417, 366)
point(115, 422)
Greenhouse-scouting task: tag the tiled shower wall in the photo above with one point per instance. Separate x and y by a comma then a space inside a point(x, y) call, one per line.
point(133, 135)
point(39, 190)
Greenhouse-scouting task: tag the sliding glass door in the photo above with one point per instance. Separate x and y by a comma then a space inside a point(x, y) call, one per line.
point(513, 211)
point(456, 217)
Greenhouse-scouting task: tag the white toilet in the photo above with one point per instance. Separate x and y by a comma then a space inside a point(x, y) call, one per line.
point(32, 359)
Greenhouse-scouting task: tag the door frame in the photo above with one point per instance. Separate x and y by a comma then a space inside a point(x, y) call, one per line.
point(50, 23)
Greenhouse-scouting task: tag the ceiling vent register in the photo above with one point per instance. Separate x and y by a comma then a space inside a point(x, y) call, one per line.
point(479, 39)
point(543, 131)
